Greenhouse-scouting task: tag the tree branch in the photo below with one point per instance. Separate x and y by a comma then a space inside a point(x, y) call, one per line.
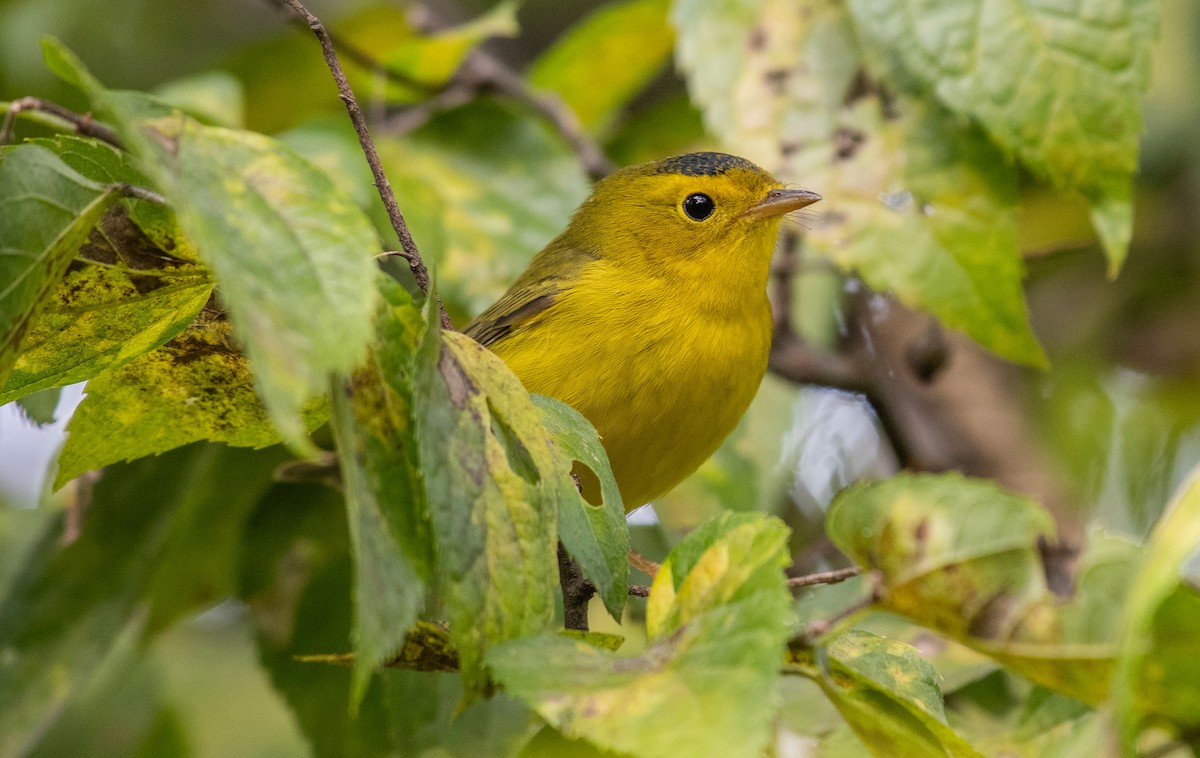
point(407, 245)
point(824, 577)
point(83, 123)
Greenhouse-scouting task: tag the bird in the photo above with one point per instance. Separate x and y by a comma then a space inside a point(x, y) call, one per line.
point(649, 313)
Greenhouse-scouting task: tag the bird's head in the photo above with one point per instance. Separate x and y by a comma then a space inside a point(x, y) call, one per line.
point(687, 213)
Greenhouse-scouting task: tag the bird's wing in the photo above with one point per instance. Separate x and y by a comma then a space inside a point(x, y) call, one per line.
point(551, 274)
point(517, 307)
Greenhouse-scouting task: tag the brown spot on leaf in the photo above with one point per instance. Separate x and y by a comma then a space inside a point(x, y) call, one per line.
point(776, 80)
point(846, 142)
point(757, 39)
point(458, 386)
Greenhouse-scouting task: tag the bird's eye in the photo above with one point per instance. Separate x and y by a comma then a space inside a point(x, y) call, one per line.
point(698, 207)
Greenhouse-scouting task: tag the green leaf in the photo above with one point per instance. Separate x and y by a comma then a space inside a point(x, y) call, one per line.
point(595, 535)
point(56, 208)
point(214, 97)
point(889, 695)
point(39, 408)
point(293, 256)
point(718, 617)
point(630, 41)
point(918, 203)
point(960, 556)
point(1158, 678)
point(390, 532)
point(175, 550)
point(1058, 85)
point(433, 59)
point(495, 481)
point(196, 387)
point(484, 187)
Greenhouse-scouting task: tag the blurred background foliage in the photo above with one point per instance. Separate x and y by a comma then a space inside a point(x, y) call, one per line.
point(484, 185)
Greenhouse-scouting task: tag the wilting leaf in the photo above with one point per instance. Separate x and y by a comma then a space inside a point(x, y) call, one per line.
point(48, 210)
point(960, 556)
point(292, 254)
point(888, 695)
point(717, 618)
point(196, 387)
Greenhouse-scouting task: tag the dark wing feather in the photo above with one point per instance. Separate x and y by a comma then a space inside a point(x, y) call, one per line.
point(510, 311)
point(551, 273)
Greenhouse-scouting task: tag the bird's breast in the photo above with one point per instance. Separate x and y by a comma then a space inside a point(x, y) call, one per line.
point(663, 378)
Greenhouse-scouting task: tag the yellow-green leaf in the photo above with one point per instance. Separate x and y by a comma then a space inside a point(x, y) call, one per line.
point(600, 64)
point(707, 683)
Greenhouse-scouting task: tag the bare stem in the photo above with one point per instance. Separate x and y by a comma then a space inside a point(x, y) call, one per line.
point(824, 577)
point(407, 245)
point(83, 123)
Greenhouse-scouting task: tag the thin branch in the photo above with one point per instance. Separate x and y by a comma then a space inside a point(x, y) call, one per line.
point(407, 245)
point(493, 74)
point(824, 577)
point(791, 357)
point(141, 193)
point(817, 629)
point(83, 123)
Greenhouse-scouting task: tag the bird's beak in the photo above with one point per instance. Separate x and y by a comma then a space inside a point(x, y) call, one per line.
point(781, 201)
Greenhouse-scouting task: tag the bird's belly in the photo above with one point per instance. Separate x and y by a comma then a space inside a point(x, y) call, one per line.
point(662, 397)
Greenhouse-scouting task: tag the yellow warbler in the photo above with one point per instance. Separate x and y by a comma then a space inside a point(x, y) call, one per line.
point(649, 313)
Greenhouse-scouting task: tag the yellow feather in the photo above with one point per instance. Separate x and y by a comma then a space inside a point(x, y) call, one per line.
point(652, 324)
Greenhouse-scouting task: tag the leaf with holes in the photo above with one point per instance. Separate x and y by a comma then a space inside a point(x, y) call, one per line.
point(594, 534)
point(960, 556)
point(718, 616)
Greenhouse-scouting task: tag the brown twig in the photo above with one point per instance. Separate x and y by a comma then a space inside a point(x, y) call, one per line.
point(492, 74)
point(83, 123)
point(824, 577)
point(820, 627)
point(407, 245)
point(791, 357)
